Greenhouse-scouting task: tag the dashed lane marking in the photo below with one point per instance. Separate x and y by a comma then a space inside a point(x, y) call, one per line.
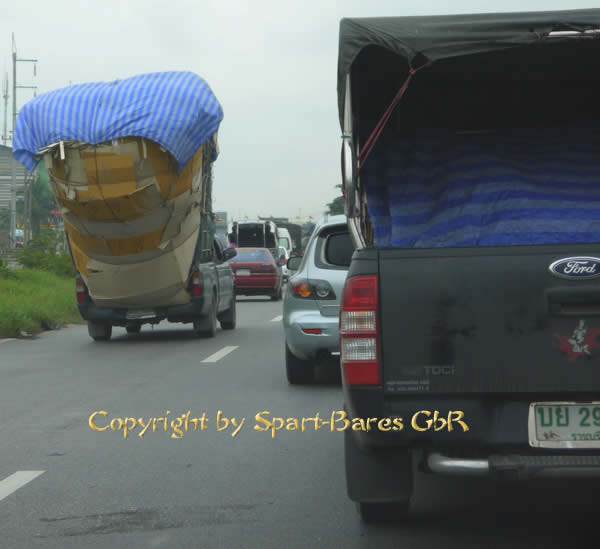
point(15, 481)
point(220, 354)
point(277, 318)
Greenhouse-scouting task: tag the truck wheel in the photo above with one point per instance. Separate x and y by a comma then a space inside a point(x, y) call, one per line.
point(99, 331)
point(228, 318)
point(298, 371)
point(134, 329)
point(207, 327)
point(379, 480)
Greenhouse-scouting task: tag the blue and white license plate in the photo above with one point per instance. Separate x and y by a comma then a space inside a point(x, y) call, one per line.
point(564, 424)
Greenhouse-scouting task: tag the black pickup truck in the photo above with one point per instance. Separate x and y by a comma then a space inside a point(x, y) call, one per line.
point(470, 318)
point(212, 297)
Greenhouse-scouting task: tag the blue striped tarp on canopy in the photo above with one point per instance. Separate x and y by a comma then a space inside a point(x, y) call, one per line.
point(441, 189)
point(178, 110)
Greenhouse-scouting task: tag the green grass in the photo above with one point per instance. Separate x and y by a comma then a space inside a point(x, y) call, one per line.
point(32, 300)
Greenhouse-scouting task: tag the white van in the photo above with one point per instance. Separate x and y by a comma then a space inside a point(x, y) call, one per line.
point(285, 240)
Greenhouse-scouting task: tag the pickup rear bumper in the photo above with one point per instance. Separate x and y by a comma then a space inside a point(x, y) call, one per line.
point(196, 308)
point(516, 466)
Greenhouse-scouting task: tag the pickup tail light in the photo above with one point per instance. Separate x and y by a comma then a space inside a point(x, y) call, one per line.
point(80, 290)
point(360, 354)
point(197, 285)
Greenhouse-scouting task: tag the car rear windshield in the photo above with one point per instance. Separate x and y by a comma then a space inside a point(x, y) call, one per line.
point(283, 241)
point(339, 249)
point(251, 256)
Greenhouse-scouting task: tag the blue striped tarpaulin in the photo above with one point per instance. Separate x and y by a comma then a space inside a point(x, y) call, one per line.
point(501, 188)
point(178, 110)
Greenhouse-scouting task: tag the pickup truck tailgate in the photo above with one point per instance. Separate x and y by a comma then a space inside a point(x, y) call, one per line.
point(492, 320)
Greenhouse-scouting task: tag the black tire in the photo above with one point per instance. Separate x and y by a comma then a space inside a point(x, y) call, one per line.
point(207, 327)
point(378, 513)
point(99, 331)
point(298, 371)
point(278, 294)
point(379, 480)
point(134, 329)
point(229, 317)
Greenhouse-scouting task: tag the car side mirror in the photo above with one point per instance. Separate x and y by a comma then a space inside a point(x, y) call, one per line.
point(294, 263)
point(229, 253)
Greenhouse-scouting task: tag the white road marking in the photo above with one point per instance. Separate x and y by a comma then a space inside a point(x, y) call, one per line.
point(220, 354)
point(15, 481)
point(277, 318)
point(6, 340)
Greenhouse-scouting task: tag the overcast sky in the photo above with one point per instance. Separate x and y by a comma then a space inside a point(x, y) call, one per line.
point(272, 65)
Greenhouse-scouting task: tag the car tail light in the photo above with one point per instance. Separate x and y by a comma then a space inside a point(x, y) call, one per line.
point(359, 341)
point(197, 285)
point(312, 289)
point(80, 290)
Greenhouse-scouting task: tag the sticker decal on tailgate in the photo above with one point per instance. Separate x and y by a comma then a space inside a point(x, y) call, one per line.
point(580, 343)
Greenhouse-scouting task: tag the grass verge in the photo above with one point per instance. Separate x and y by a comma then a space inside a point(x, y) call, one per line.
point(33, 300)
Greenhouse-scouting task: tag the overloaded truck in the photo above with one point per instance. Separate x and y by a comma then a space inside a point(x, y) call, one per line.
point(470, 317)
point(130, 164)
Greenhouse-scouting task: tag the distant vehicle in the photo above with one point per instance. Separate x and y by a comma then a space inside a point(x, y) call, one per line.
point(285, 239)
point(284, 256)
point(257, 272)
point(312, 299)
point(254, 234)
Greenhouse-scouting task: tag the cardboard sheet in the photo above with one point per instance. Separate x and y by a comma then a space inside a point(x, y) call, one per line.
point(132, 221)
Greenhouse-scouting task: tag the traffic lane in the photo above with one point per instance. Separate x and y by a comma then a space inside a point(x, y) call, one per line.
point(192, 487)
point(52, 383)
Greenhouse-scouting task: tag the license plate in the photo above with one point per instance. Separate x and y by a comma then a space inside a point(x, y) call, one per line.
point(564, 425)
point(140, 313)
point(243, 272)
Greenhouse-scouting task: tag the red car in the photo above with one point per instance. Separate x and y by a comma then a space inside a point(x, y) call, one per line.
point(257, 272)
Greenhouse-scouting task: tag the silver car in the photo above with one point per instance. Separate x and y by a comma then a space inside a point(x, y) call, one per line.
point(312, 300)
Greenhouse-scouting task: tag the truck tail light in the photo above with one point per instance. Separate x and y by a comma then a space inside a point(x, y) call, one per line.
point(197, 285)
point(360, 353)
point(80, 290)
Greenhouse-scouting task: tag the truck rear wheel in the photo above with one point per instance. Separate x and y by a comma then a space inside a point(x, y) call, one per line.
point(207, 327)
point(99, 331)
point(379, 480)
point(298, 371)
point(228, 318)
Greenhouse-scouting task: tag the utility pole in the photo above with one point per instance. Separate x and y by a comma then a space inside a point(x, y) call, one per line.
point(13, 162)
point(5, 96)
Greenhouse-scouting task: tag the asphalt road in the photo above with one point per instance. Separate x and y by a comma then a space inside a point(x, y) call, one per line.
point(211, 489)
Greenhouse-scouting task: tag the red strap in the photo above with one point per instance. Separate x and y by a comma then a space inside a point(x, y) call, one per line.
point(370, 143)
